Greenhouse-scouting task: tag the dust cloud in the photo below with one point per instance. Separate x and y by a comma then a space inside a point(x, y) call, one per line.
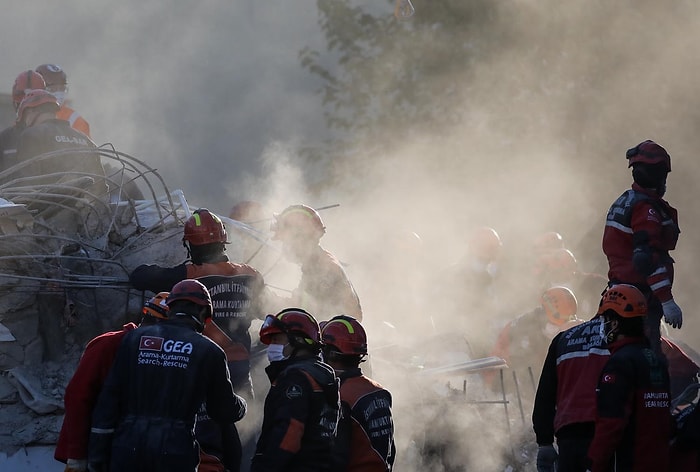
point(214, 97)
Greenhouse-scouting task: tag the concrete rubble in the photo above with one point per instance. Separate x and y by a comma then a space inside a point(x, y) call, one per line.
point(65, 256)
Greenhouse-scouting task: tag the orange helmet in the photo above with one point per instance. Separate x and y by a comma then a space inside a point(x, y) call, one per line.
point(625, 300)
point(157, 307)
point(52, 74)
point(557, 264)
point(26, 81)
point(485, 242)
point(298, 220)
point(204, 227)
point(648, 152)
point(296, 323)
point(193, 291)
point(548, 241)
point(345, 335)
point(559, 304)
point(34, 99)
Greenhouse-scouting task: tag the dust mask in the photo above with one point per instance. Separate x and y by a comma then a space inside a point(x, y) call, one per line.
point(60, 96)
point(275, 352)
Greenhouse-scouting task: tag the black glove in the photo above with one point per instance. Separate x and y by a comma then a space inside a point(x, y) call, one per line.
point(547, 459)
point(97, 467)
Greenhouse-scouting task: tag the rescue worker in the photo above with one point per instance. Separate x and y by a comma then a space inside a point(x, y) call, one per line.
point(24, 82)
point(522, 342)
point(57, 83)
point(547, 241)
point(633, 422)
point(238, 289)
point(301, 409)
point(85, 385)
point(640, 230)
point(560, 267)
point(44, 133)
point(253, 232)
point(465, 293)
point(145, 415)
point(365, 441)
point(324, 287)
point(565, 402)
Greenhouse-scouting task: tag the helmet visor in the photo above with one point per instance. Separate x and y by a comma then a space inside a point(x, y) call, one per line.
point(272, 322)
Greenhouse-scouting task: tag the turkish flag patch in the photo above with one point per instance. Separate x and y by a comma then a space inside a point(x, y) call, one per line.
point(151, 343)
point(608, 378)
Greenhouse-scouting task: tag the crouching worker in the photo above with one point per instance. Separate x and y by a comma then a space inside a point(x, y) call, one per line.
point(145, 415)
point(365, 440)
point(301, 409)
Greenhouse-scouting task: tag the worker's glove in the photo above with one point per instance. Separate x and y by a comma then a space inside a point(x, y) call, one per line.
point(547, 459)
point(672, 313)
point(76, 465)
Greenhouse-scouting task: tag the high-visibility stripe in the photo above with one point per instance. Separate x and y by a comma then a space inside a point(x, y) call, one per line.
point(102, 430)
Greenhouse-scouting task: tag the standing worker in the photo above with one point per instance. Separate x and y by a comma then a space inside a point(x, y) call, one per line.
point(44, 133)
point(633, 423)
point(145, 415)
point(302, 407)
point(324, 288)
point(85, 386)
point(365, 440)
point(57, 83)
point(24, 82)
point(640, 230)
point(565, 402)
point(238, 289)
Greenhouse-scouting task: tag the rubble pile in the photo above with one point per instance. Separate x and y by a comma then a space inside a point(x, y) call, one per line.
point(65, 256)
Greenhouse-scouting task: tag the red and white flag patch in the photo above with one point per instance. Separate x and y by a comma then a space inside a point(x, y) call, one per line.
point(608, 378)
point(151, 343)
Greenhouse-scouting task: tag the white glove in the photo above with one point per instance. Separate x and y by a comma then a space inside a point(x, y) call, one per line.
point(76, 465)
point(672, 313)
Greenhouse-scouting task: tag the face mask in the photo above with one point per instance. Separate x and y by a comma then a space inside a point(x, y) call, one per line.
point(605, 331)
point(274, 352)
point(60, 96)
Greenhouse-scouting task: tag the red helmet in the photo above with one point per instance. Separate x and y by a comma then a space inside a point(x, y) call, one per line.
point(485, 242)
point(625, 300)
point(35, 99)
point(193, 291)
point(52, 74)
point(157, 306)
point(26, 81)
point(648, 152)
point(247, 211)
point(345, 334)
point(559, 304)
point(204, 227)
point(548, 241)
point(295, 323)
point(298, 220)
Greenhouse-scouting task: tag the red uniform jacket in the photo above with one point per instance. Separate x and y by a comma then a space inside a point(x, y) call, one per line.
point(635, 219)
point(82, 391)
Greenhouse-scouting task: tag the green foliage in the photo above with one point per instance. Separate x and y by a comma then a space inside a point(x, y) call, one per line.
point(384, 78)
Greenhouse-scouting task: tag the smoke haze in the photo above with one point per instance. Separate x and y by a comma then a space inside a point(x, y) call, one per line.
point(212, 94)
